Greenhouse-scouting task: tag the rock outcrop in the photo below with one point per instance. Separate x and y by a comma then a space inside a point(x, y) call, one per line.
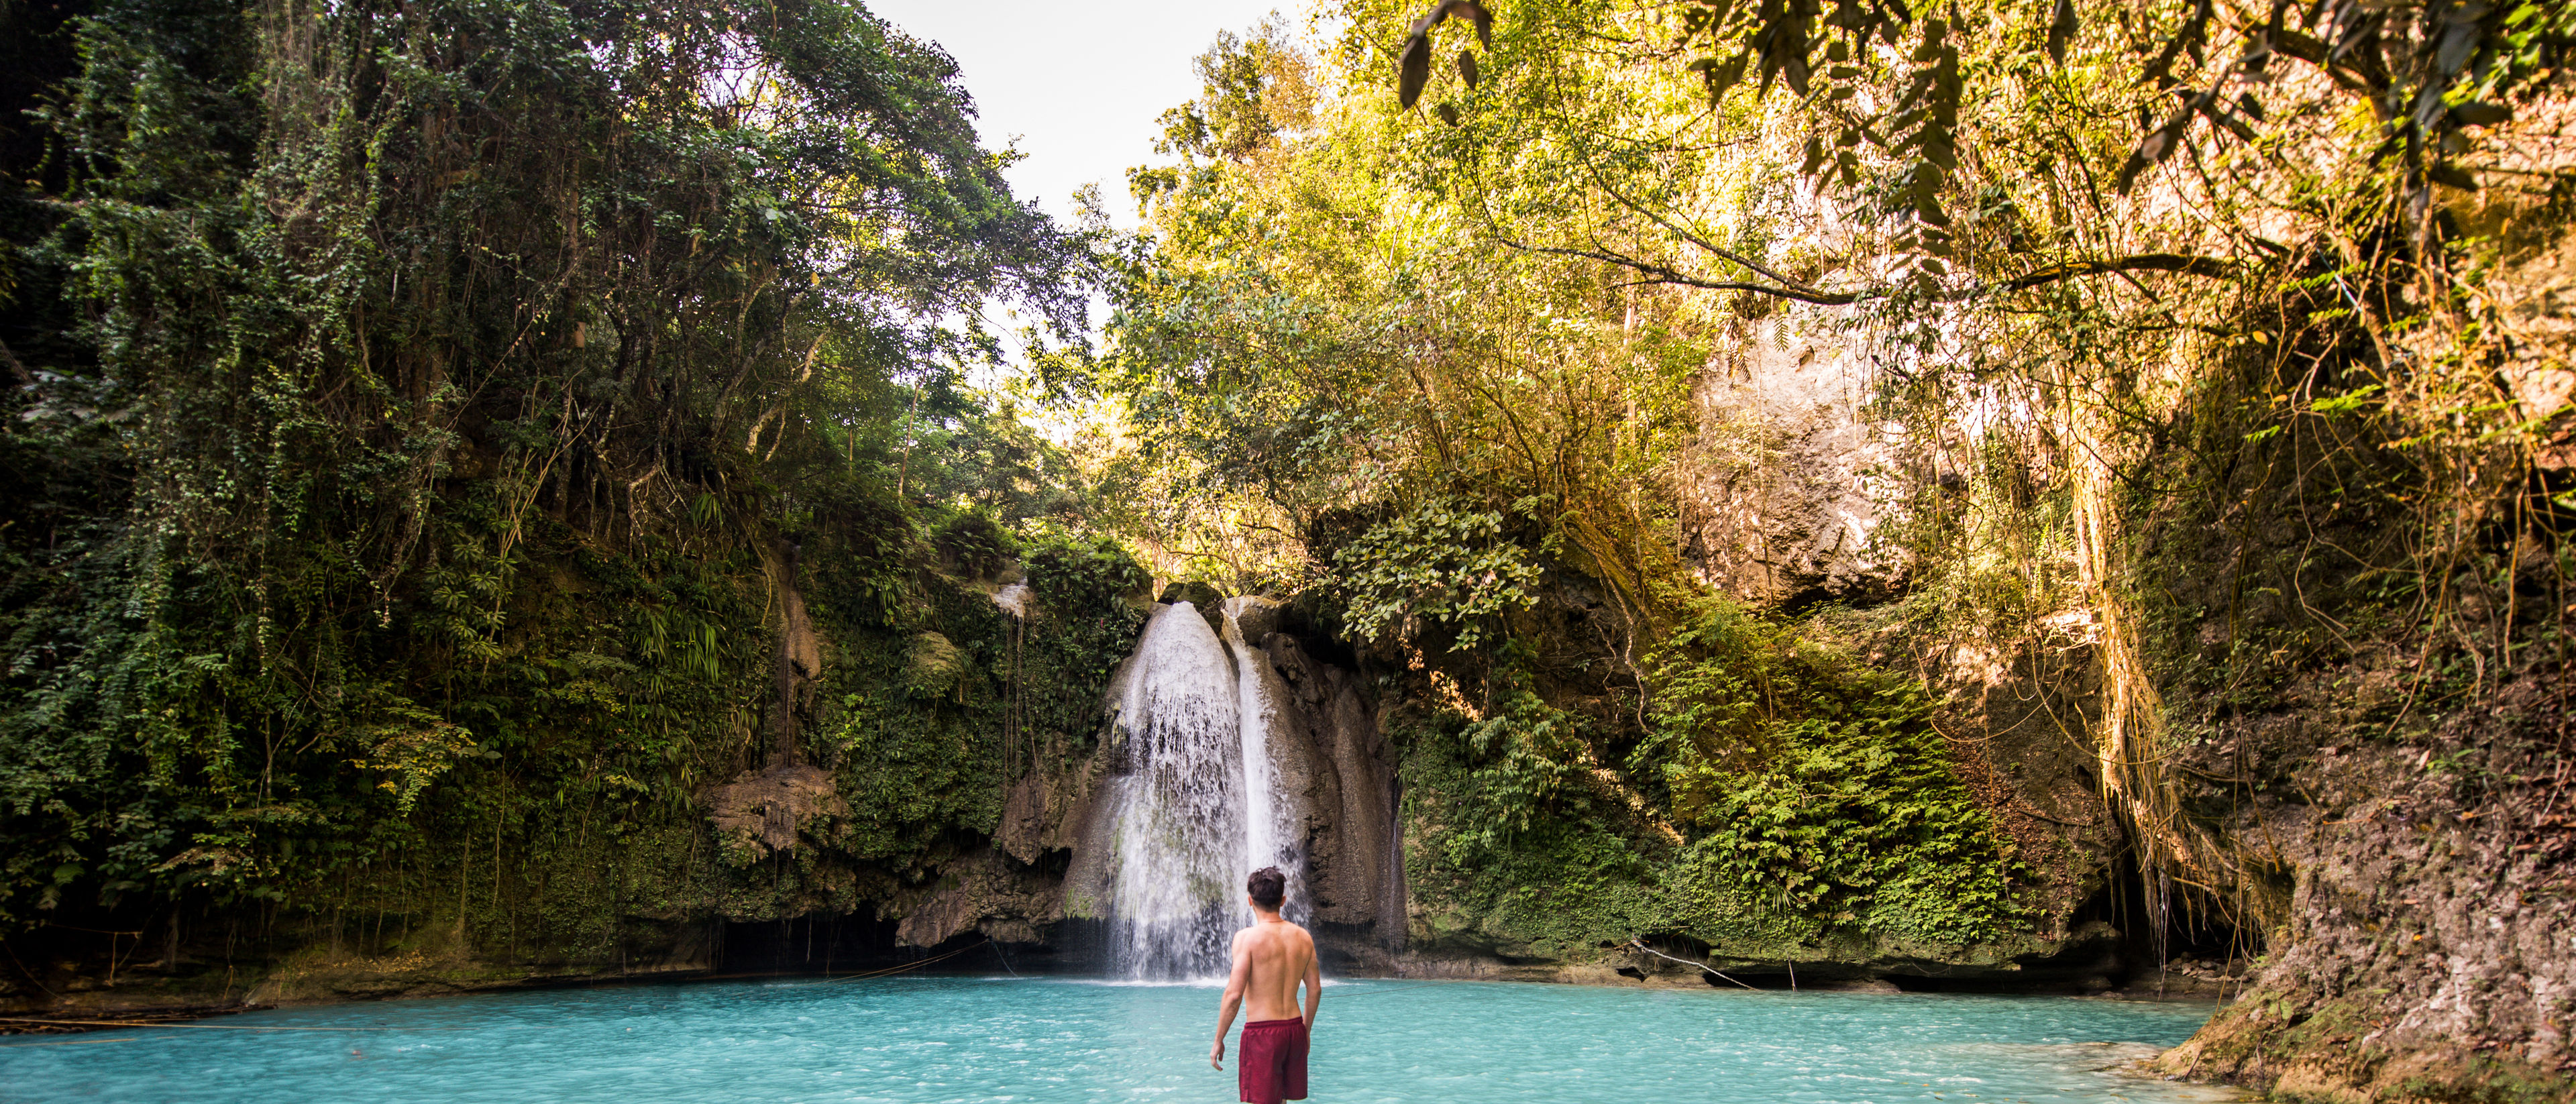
point(1779, 499)
point(2425, 940)
point(761, 813)
point(988, 894)
point(1355, 870)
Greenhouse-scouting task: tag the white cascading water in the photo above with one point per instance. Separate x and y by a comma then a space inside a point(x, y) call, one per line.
point(1270, 836)
point(1199, 805)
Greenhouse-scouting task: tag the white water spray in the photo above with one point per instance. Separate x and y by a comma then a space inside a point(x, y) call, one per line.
point(1197, 801)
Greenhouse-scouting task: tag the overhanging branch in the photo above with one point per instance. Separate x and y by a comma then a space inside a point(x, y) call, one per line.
point(2145, 262)
point(1661, 274)
point(1795, 288)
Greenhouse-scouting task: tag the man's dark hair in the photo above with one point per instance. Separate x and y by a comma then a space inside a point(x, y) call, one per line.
point(1267, 886)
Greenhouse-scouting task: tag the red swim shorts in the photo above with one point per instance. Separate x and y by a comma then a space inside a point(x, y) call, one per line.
point(1271, 1061)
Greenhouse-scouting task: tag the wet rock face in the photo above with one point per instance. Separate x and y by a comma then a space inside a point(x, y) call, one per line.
point(1043, 811)
point(761, 813)
point(2025, 716)
point(1353, 870)
point(986, 893)
point(798, 665)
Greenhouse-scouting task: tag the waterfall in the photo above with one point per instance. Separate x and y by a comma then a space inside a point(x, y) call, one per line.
point(1270, 833)
point(1197, 800)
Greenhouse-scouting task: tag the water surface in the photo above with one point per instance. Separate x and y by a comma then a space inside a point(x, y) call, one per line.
point(954, 1039)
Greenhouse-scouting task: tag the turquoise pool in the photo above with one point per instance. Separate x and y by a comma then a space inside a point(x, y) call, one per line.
point(951, 1039)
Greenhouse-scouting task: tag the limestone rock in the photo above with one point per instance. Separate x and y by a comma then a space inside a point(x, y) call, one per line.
point(1353, 870)
point(1779, 493)
point(985, 892)
point(760, 813)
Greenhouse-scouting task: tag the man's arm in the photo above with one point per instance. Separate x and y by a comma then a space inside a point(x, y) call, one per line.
point(1234, 986)
point(1314, 985)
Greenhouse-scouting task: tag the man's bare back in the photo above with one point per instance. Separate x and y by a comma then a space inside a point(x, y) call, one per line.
point(1271, 959)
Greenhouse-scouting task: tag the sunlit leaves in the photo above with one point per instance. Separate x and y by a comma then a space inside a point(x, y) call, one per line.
point(1324, 333)
point(1445, 562)
point(1863, 48)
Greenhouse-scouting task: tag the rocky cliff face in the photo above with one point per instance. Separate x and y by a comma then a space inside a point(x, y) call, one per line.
point(1346, 774)
point(1781, 494)
point(2422, 946)
point(2381, 885)
point(2013, 725)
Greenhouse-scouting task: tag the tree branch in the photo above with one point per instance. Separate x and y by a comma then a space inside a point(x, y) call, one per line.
point(1728, 255)
point(2145, 262)
point(1659, 274)
point(2365, 78)
point(1663, 275)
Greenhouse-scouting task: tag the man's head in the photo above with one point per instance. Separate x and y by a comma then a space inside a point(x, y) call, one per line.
point(1268, 888)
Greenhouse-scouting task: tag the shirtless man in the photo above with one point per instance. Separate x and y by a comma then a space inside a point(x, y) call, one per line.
point(1270, 958)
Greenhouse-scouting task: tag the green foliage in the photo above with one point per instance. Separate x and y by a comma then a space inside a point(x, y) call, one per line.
point(1254, 89)
point(925, 730)
point(1507, 840)
point(1813, 796)
point(2192, 322)
point(1445, 562)
point(434, 394)
point(1815, 782)
point(1515, 774)
point(413, 746)
point(975, 542)
point(1393, 338)
point(1320, 339)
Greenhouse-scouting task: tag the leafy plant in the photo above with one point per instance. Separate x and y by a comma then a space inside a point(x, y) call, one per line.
point(1444, 562)
point(428, 409)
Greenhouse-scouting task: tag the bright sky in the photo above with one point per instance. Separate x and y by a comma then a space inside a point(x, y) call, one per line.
point(1078, 83)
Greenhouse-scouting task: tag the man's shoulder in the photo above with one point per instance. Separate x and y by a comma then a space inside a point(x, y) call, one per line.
point(1289, 929)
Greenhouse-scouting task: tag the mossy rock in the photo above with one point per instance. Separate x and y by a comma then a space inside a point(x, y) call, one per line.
point(1205, 596)
point(933, 666)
